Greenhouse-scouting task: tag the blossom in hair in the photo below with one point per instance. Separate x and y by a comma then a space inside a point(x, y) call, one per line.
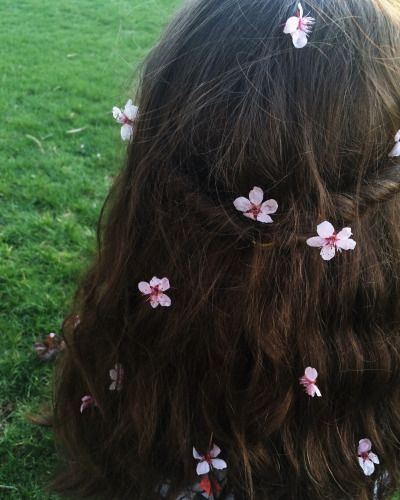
point(86, 402)
point(396, 149)
point(308, 381)
point(155, 290)
point(329, 241)
point(116, 376)
point(366, 458)
point(209, 460)
point(49, 347)
point(299, 27)
point(126, 118)
point(254, 207)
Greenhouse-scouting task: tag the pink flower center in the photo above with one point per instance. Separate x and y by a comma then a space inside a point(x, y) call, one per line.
point(254, 210)
point(364, 455)
point(155, 291)
point(331, 240)
point(207, 458)
point(126, 120)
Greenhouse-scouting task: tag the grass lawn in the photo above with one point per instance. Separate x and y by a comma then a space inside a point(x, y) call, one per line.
point(64, 64)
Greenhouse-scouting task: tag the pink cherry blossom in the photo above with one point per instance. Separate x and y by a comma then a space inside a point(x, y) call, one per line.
point(329, 241)
point(126, 118)
point(155, 290)
point(366, 458)
point(209, 460)
point(86, 402)
point(396, 149)
point(254, 207)
point(308, 381)
point(116, 376)
point(299, 27)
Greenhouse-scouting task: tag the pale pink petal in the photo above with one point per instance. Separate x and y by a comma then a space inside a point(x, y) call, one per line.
point(130, 110)
point(397, 136)
point(256, 195)
point(317, 391)
point(299, 39)
point(164, 284)
point(374, 458)
point(154, 302)
point(117, 114)
point(367, 466)
point(269, 207)
point(197, 455)
point(325, 229)
point(364, 445)
point(155, 281)
point(242, 204)
point(215, 451)
point(316, 241)
point(328, 252)
point(396, 150)
point(263, 217)
point(164, 300)
point(307, 24)
point(219, 464)
point(299, 6)
point(113, 374)
point(202, 468)
point(291, 25)
point(113, 386)
point(311, 373)
point(346, 244)
point(144, 287)
point(126, 132)
point(344, 234)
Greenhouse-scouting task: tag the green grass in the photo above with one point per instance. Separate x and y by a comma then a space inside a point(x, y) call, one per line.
point(64, 64)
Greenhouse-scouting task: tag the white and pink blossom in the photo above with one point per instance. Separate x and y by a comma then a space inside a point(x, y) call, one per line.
point(155, 290)
point(366, 458)
point(308, 380)
point(396, 149)
point(86, 402)
point(254, 207)
point(116, 376)
point(209, 460)
point(299, 27)
point(329, 241)
point(127, 119)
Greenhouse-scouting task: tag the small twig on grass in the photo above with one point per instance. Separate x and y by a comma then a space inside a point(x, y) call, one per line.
point(75, 130)
point(36, 141)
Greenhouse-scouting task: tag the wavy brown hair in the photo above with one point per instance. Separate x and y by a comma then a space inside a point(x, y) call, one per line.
point(227, 103)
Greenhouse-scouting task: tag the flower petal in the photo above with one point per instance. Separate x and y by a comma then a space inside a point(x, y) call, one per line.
point(117, 114)
point(144, 287)
point(202, 468)
point(316, 241)
point(164, 284)
point(113, 386)
point(299, 39)
point(242, 204)
point(325, 229)
point(130, 110)
point(328, 252)
point(154, 302)
point(215, 451)
point(113, 374)
point(164, 300)
point(346, 244)
point(364, 445)
point(155, 281)
point(373, 457)
point(269, 207)
point(256, 195)
point(397, 136)
point(317, 391)
point(250, 215)
point(396, 150)
point(291, 25)
point(311, 373)
point(344, 234)
point(367, 466)
point(299, 6)
point(219, 464)
point(126, 132)
point(263, 217)
point(197, 455)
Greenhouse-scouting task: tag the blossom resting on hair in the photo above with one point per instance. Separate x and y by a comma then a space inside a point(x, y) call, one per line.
point(396, 149)
point(116, 376)
point(308, 381)
point(209, 461)
point(126, 118)
point(155, 290)
point(299, 27)
point(86, 402)
point(329, 241)
point(49, 347)
point(254, 207)
point(366, 458)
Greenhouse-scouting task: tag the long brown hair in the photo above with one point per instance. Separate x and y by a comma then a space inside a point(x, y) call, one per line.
point(227, 103)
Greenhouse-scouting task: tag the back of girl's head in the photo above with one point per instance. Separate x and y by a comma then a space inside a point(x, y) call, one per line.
point(226, 103)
